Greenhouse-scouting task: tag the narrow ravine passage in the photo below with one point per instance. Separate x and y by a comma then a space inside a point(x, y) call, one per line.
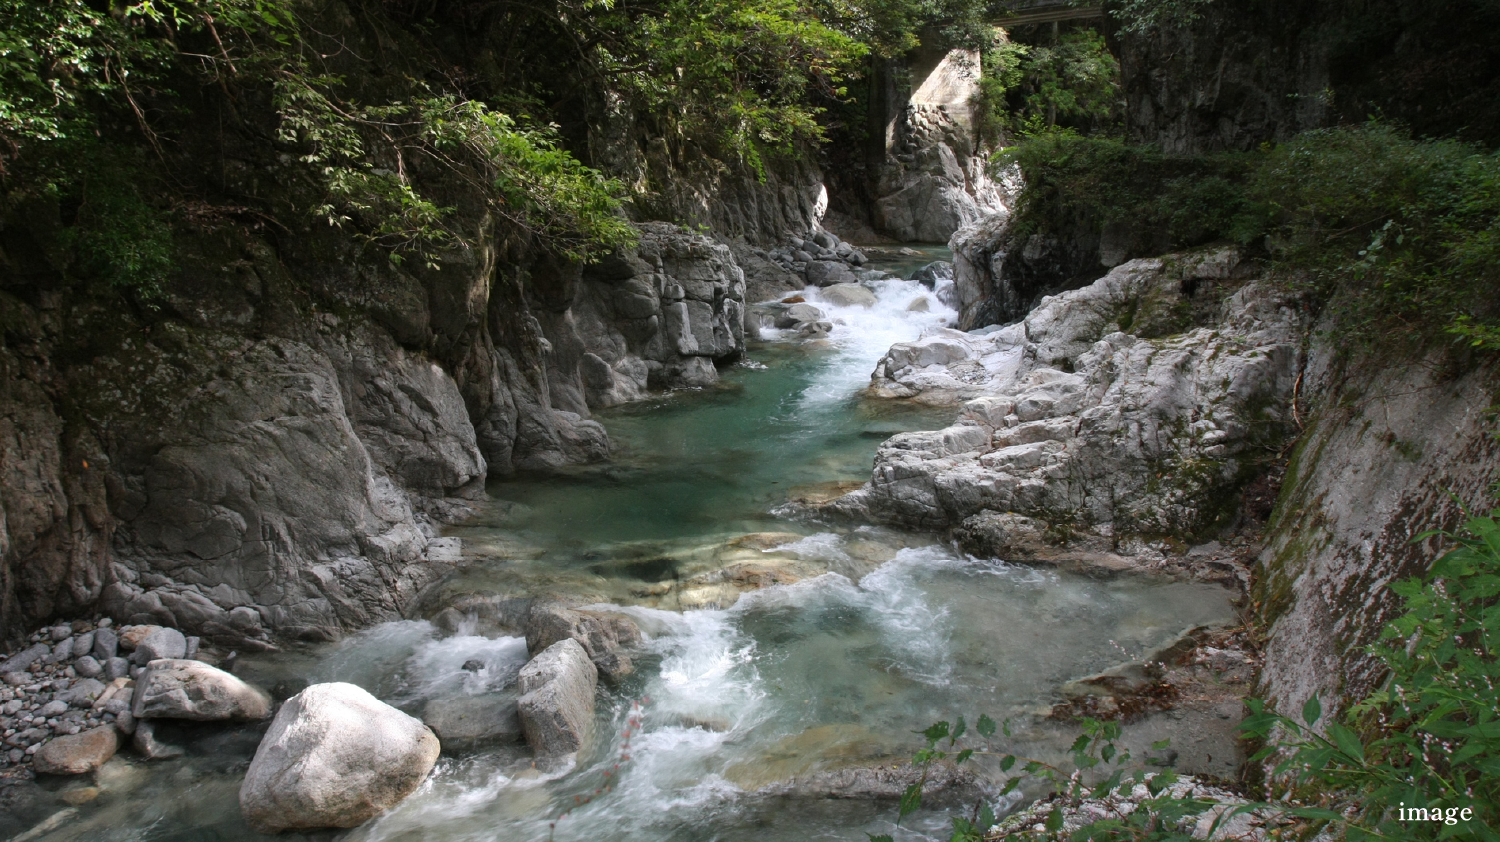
point(746, 696)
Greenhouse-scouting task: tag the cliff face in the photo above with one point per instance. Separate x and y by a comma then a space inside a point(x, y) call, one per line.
point(1245, 74)
point(1250, 73)
point(1389, 452)
point(269, 451)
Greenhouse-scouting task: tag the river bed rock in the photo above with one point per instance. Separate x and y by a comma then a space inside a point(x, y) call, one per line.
point(1133, 406)
point(335, 756)
point(605, 637)
point(182, 689)
point(557, 710)
point(471, 720)
point(77, 754)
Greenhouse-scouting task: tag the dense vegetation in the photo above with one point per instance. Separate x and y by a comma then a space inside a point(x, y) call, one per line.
point(1399, 236)
point(401, 121)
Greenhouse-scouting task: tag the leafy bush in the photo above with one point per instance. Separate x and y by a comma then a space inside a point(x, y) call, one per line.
point(1027, 89)
point(1400, 237)
point(1430, 736)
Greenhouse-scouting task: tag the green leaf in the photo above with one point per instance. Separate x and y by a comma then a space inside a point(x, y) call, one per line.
point(959, 729)
point(985, 727)
point(1347, 742)
point(1161, 744)
point(1311, 712)
point(1006, 762)
point(936, 731)
point(963, 755)
point(884, 837)
point(1055, 820)
point(911, 800)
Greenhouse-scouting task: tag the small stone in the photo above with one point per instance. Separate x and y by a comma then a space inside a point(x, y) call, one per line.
point(85, 691)
point(192, 648)
point(106, 644)
point(116, 668)
point(61, 632)
point(78, 753)
point(20, 661)
point(83, 644)
point(125, 722)
point(55, 708)
point(16, 679)
point(473, 665)
point(82, 795)
point(88, 667)
point(106, 623)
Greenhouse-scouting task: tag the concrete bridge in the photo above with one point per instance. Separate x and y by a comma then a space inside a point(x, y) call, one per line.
point(1021, 12)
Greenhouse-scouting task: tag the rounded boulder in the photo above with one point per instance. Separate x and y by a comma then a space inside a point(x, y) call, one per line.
point(334, 756)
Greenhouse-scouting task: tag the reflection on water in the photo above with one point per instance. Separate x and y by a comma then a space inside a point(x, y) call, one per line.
point(870, 634)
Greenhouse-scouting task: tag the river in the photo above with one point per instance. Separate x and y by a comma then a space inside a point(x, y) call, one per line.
point(881, 634)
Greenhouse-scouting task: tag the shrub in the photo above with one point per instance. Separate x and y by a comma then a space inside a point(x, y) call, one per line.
point(1400, 237)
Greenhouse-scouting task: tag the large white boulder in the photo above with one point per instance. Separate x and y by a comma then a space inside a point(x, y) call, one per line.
point(557, 710)
point(335, 756)
point(182, 689)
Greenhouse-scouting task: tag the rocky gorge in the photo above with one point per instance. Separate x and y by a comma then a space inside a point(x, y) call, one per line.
point(683, 539)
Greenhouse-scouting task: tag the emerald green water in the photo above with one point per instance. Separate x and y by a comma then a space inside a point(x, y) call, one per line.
point(871, 634)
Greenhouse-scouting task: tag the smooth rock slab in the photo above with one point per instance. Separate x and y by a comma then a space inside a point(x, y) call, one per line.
point(182, 689)
point(77, 754)
point(848, 295)
point(469, 720)
point(335, 756)
point(557, 712)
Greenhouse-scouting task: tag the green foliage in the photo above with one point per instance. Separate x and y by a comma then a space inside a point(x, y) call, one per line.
point(1073, 180)
point(66, 70)
point(736, 75)
point(1400, 237)
point(1430, 736)
point(1142, 16)
point(117, 235)
point(1028, 89)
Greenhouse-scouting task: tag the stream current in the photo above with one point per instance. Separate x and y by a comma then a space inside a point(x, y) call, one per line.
point(874, 633)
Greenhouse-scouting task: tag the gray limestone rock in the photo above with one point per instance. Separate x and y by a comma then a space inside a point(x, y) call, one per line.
point(1068, 414)
point(557, 710)
point(848, 295)
point(182, 689)
point(160, 643)
point(797, 314)
point(471, 720)
point(25, 658)
point(335, 756)
point(106, 644)
point(822, 273)
point(83, 692)
point(83, 644)
point(606, 638)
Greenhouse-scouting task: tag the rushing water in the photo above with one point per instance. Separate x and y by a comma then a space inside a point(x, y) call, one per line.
point(882, 634)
